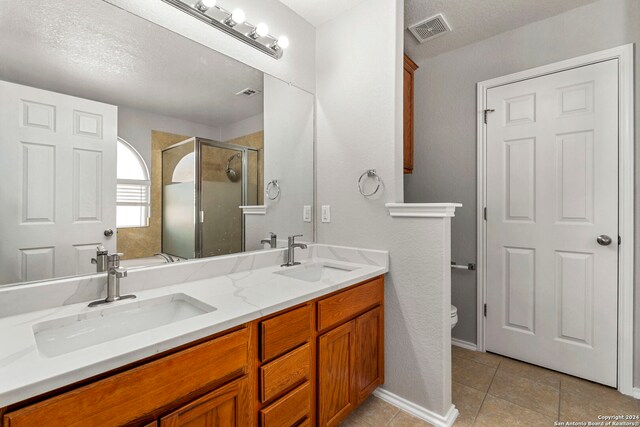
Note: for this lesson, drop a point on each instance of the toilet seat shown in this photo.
(454, 316)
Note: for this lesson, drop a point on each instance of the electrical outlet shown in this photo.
(326, 213)
(306, 213)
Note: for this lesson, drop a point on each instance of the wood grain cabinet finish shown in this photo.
(409, 69)
(289, 410)
(345, 305)
(285, 332)
(350, 356)
(285, 372)
(336, 374)
(369, 353)
(228, 406)
(143, 391)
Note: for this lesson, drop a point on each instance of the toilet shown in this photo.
(454, 316)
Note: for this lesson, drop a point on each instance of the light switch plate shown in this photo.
(326, 213)
(306, 213)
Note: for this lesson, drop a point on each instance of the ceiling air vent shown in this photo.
(430, 28)
(248, 92)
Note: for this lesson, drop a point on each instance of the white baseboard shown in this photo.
(464, 344)
(418, 411)
(636, 392)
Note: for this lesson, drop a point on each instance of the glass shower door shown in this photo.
(179, 200)
(222, 174)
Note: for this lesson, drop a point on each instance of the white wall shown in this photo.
(359, 126)
(135, 126)
(296, 66)
(240, 128)
(288, 157)
(445, 132)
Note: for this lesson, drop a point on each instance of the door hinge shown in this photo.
(486, 113)
(485, 310)
(484, 213)
(619, 240)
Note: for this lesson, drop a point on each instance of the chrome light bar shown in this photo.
(223, 20)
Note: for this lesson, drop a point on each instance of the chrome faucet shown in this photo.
(101, 259)
(272, 241)
(291, 246)
(114, 274)
(166, 257)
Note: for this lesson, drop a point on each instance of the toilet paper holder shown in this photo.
(469, 266)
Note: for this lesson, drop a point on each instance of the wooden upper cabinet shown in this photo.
(409, 68)
(228, 406)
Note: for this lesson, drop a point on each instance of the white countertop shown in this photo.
(239, 297)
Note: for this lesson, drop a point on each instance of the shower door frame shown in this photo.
(197, 211)
(199, 142)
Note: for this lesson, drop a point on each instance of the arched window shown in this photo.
(132, 195)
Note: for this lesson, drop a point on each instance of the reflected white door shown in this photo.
(58, 186)
(552, 189)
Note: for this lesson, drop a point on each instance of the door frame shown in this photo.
(624, 55)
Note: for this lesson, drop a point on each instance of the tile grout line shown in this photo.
(475, 418)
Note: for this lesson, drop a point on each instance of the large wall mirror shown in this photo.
(119, 133)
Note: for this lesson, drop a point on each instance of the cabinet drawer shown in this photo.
(289, 410)
(282, 333)
(144, 390)
(285, 372)
(343, 306)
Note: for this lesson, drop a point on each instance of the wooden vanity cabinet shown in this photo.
(139, 395)
(306, 366)
(409, 69)
(351, 355)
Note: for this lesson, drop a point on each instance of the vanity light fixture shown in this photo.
(234, 24)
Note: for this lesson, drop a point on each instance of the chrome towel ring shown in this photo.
(370, 173)
(270, 186)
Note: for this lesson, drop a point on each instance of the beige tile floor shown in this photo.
(493, 391)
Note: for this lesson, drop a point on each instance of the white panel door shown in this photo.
(57, 193)
(552, 189)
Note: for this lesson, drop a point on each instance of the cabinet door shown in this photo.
(228, 406)
(369, 352)
(336, 374)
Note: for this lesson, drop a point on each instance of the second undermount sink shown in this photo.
(315, 271)
(67, 334)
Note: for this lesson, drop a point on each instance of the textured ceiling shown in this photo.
(93, 50)
(474, 20)
(317, 12)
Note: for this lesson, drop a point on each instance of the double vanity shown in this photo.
(233, 340)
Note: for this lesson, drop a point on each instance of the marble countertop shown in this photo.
(238, 297)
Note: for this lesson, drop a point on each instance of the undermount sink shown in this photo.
(67, 334)
(315, 271)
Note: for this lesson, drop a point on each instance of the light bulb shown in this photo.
(262, 29)
(238, 16)
(204, 5)
(283, 42)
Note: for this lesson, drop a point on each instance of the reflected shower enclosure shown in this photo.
(204, 183)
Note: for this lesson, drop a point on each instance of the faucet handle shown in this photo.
(292, 239)
(272, 234)
(101, 250)
(119, 272)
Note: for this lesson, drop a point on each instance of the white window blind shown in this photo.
(133, 198)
